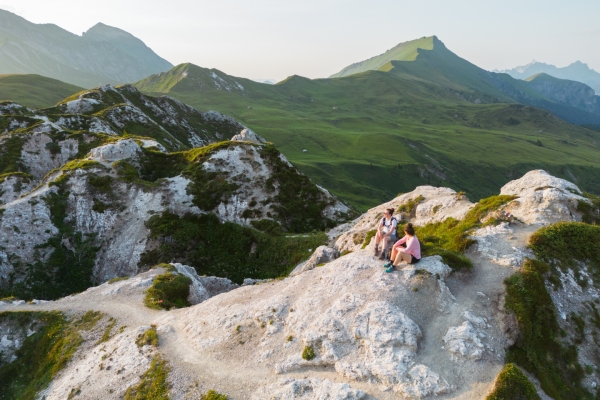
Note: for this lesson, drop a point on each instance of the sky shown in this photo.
(269, 39)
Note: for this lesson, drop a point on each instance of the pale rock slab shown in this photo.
(308, 389)
(543, 199)
(204, 287)
(464, 341)
(322, 255)
(248, 135)
(109, 153)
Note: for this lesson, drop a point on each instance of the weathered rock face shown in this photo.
(313, 389)
(204, 287)
(361, 333)
(543, 198)
(248, 135)
(322, 255)
(430, 204)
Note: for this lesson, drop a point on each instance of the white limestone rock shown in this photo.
(322, 255)
(437, 205)
(543, 198)
(39, 160)
(248, 135)
(109, 153)
(308, 389)
(464, 341)
(204, 287)
(432, 264)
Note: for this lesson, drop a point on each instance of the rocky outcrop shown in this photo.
(308, 389)
(322, 255)
(425, 204)
(204, 287)
(247, 135)
(543, 198)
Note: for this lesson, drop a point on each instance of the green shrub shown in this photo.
(153, 384)
(539, 349)
(169, 290)
(512, 384)
(106, 335)
(308, 353)
(225, 249)
(268, 226)
(590, 213)
(368, 238)
(212, 395)
(148, 338)
(209, 188)
(410, 206)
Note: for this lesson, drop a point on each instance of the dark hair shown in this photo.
(390, 211)
(409, 229)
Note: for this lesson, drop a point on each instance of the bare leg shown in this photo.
(402, 256)
(394, 253)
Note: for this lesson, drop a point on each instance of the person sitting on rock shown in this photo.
(407, 249)
(386, 232)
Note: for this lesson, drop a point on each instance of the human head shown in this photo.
(409, 230)
(389, 212)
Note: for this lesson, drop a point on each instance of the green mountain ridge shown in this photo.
(34, 91)
(373, 134)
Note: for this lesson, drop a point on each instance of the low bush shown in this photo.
(513, 384)
(225, 249)
(153, 383)
(148, 338)
(308, 353)
(168, 291)
(590, 213)
(368, 238)
(212, 395)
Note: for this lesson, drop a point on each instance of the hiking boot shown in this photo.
(387, 265)
(376, 251)
(382, 255)
(389, 269)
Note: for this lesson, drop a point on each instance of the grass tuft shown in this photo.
(168, 291)
(513, 384)
(153, 384)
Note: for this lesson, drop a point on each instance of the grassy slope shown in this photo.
(406, 51)
(34, 91)
(388, 126)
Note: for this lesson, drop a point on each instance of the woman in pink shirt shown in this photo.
(407, 249)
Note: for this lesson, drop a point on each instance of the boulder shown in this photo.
(248, 135)
(204, 287)
(322, 255)
(542, 198)
(115, 151)
(464, 341)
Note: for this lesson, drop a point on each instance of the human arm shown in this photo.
(399, 242)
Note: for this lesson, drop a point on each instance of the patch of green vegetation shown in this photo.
(563, 244)
(299, 203)
(376, 144)
(450, 238)
(117, 279)
(308, 353)
(101, 183)
(54, 148)
(410, 206)
(368, 238)
(89, 320)
(168, 291)
(24, 176)
(267, 226)
(69, 267)
(590, 213)
(209, 188)
(81, 164)
(539, 349)
(153, 384)
(42, 355)
(212, 395)
(109, 327)
(10, 154)
(513, 384)
(33, 90)
(225, 249)
(148, 338)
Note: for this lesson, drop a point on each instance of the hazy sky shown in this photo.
(316, 38)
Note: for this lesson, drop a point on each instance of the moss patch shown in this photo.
(225, 249)
(368, 238)
(148, 338)
(212, 395)
(168, 291)
(153, 384)
(590, 213)
(308, 353)
(42, 355)
(513, 384)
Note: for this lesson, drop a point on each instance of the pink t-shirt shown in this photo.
(412, 246)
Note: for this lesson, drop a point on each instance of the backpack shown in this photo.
(391, 224)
